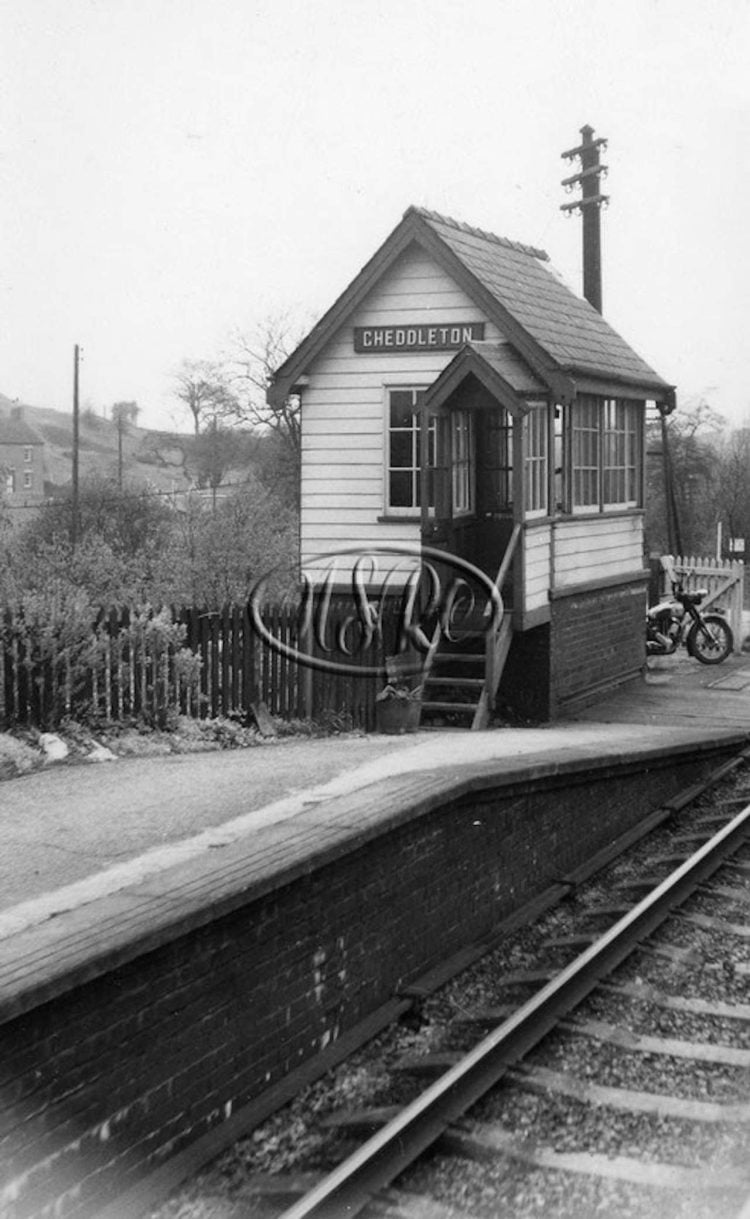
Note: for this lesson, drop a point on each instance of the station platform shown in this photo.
(70, 835)
(242, 914)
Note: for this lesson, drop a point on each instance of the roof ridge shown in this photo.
(462, 227)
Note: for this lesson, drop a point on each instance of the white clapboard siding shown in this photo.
(338, 402)
(328, 537)
(353, 426)
(536, 566)
(343, 407)
(596, 548)
(345, 484)
(340, 441)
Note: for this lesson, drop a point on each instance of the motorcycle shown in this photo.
(678, 620)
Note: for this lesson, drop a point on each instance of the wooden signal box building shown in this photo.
(458, 394)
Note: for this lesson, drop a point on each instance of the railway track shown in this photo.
(612, 1076)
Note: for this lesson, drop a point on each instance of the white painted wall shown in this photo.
(344, 408)
(537, 555)
(593, 548)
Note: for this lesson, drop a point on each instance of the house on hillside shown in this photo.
(459, 395)
(21, 460)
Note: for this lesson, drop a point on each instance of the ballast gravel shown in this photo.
(293, 1140)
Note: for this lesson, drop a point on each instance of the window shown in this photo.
(462, 461)
(403, 492)
(606, 453)
(585, 444)
(27, 454)
(27, 479)
(535, 435)
(621, 448)
(10, 481)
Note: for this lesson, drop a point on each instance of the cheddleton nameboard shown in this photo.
(413, 337)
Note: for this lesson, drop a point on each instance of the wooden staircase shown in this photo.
(461, 676)
(462, 669)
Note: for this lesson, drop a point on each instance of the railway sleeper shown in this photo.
(707, 923)
(399, 1204)
(644, 993)
(730, 892)
(544, 1081)
(487, 1142)
(625, 1039)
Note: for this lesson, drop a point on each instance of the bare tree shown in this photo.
(733, 492)
(693, 434)
(202, 387)
(251, 364)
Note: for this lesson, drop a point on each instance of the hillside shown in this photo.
(157, 459)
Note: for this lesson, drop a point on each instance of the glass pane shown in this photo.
(401, 489)
(402, 449)
(402, 408)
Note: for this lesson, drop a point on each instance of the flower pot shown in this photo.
(397, 715)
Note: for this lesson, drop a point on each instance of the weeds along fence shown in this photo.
(61, 662)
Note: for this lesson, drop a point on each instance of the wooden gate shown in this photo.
(724, 579)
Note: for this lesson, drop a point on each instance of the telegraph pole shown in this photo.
(590, 205)
(76, 446)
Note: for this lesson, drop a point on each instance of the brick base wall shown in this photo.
(524, 691)
(101, 1085)
(596, 639)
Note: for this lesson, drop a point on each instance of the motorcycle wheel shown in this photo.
(711, 641)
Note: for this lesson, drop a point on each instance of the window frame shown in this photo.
(463, 463)
(536, 460)
(401, 511)
(617, 445)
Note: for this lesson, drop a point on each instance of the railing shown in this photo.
(497, 642)
(123, 663)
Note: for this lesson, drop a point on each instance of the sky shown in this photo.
(172, 171)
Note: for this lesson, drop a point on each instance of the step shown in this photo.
(428, 705)
(459, 658)
(468, 683)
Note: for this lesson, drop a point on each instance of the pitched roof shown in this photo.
(506, 362)
(557, 333)
(497, 367)
(565, 325)
(16, 431)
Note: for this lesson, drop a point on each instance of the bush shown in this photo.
(67, 659)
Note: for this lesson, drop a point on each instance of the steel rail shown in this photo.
(346, 1190)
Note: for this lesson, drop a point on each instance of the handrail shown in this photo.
(503, 568)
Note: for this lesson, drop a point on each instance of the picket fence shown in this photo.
(135, 664)
(723, 578)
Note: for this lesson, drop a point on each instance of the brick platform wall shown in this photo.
(103, 1084)
(596, 639)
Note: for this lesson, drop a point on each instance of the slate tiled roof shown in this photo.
(557, 332)
(521, 279)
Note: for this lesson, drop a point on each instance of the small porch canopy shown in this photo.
(483, 372)
(486, 378)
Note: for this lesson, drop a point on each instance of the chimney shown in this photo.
(590, 204)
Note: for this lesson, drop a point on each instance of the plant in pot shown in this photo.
(398, 706)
